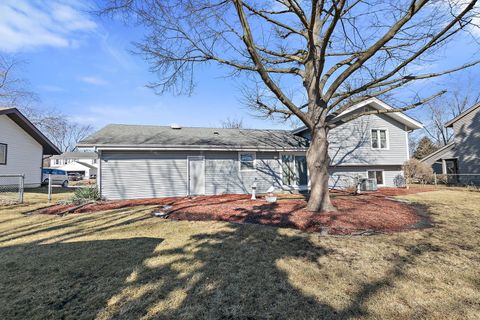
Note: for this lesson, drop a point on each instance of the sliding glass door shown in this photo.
(294, 170)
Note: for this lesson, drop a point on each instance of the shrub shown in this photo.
(417, 171)
(83, 195)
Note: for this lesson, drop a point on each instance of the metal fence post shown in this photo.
(49, 188)
(21, 186)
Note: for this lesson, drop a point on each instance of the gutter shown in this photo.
(188, 148)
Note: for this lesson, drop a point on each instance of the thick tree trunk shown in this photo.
(318, 162)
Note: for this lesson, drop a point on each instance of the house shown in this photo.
(139, 161)
(460, 157)
(84, 163)
(22, 147)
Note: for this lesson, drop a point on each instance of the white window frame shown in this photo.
(387, 136)
(288, 186)
(240, 161)
(383, 175)
(3, 162)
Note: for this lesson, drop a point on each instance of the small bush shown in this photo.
(417, 171)
(83, 195)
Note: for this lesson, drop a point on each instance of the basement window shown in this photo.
(377, 175)
(3, 154)
(247, 161)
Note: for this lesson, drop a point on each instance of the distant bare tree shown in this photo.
(446, 108)
(13, 89)
(63, 132)
(56, 126)
(309, 59)
(232, 123)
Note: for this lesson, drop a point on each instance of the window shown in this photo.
(57, 161)
(379, 139)
(94, 161)
(247, 161)
(377, 175)
(3, 153)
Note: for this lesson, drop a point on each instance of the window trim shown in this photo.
(6, 154)
(240, 161)
(387, 136)
(383, 176)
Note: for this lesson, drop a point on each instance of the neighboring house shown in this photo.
(462, 155)
(22, 147)
(137, 161)
(84, 163)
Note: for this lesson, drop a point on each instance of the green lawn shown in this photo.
(125, 264)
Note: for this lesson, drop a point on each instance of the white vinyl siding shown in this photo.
(24, 154)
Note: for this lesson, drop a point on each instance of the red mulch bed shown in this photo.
(357, 214)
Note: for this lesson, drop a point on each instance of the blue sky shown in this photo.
(80, 64)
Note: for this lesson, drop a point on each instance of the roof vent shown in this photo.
(175, 126)
(216, 132)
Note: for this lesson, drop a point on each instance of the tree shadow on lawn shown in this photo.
(232, 273)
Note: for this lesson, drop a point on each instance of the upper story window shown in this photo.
(247, 161)
(379, 139)
(3, 153)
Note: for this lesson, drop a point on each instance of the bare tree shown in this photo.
(63, 132)
(310, 59)
(232, 123)
(14, 92)
(448, 107)
(13, 89)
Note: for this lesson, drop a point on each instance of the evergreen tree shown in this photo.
(424, 148)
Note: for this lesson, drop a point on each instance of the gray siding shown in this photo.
(467, 142)
(350, 142)
(130, 175)
(223, 173)
(344, 177)
(135, 175)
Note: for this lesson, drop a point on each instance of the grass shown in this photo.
(124, 264)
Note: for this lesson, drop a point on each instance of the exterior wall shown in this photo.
(223, 173)
(350, 142)
(129, 175)
(24, 154)
(467, 143)
(344, 177)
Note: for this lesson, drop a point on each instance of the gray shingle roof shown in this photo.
(77, 155)
(191, 137)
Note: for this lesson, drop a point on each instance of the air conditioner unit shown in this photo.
(368, 185)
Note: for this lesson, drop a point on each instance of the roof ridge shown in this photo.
(193, 127)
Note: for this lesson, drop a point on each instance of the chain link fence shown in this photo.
(457, 180)
(11, 188)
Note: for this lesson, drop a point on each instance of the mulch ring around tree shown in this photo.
(363, 214)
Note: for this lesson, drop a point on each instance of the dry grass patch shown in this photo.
(125, 264)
